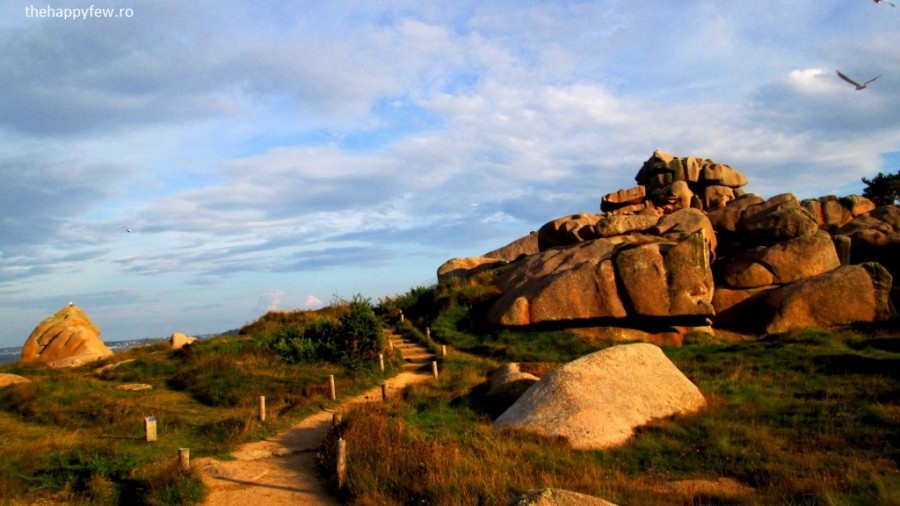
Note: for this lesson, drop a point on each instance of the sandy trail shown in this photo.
(281, 470)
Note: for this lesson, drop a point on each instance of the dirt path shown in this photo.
(281, 470)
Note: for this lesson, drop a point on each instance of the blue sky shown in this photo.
(277, 155)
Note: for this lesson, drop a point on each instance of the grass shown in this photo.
(804, 418)
(71, 436)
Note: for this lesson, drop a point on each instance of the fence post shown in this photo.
(150, 428)
(262, 408)
(443, 350)
(401, 315)
(341, 462)
(434, 369)
(335, 421)
(331, 384)
(428, 332)
(184, 459)
(384, 391)
(390, 347)
(381, 361)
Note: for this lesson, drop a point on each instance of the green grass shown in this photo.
(805, 418)
(70, 436)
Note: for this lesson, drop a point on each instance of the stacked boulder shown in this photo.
(65, 339)
(687, 244)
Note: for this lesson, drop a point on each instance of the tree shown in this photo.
(883, 189)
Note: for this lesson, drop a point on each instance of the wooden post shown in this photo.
(331, 384)
(434, 370)
(184, 459)
(428, 332)
(335, 421)
(390, 347)
(384, 391)
(262, 408)
(443, 350)
(381, 361)
(150, 428)
(341, 463)
(401, 315)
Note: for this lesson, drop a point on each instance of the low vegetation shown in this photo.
(809, 417)
(71, 436)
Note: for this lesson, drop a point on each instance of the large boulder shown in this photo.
(65, 339)
(832, 212)
(780, 264)
(633, 275)
(874, 237)
(848, 294)
(778, 219)
(598, 400)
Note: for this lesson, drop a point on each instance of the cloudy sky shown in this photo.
(281, 154)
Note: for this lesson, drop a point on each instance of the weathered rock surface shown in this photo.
(11, 379)
(179, 340)
(568, 230)
(65, 339)
(633, 260)
(875, 237)
(583, 281)
(458, 268)
(780, 263)
(598, 400)
(848, 294)
(517, 249)
(832, 212)
(557, 497)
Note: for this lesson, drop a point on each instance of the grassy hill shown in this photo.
(809, 417)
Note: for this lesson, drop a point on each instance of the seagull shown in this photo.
(885, 1)
(859, 86)
(127, 229)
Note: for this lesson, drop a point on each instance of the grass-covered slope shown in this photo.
(70, 436)
(809, 417)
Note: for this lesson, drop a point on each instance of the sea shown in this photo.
(13, 354)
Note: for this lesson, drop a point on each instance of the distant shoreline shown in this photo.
(14, 353)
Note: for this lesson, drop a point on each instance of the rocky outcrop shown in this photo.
(852, 293)
(874, 237)
(66, 339)
(638, 260)
(557, 497)
(598, 400)
(632, 275)
(180, 340)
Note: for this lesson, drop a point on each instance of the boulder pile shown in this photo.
(65, 339)
(687, 247)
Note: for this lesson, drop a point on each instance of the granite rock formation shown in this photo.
(628, 386)
(65, 339)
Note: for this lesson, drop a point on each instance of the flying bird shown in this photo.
(859, 85)
(127, 229)
(885, 1)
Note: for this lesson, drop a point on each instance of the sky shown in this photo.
(283, 155)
